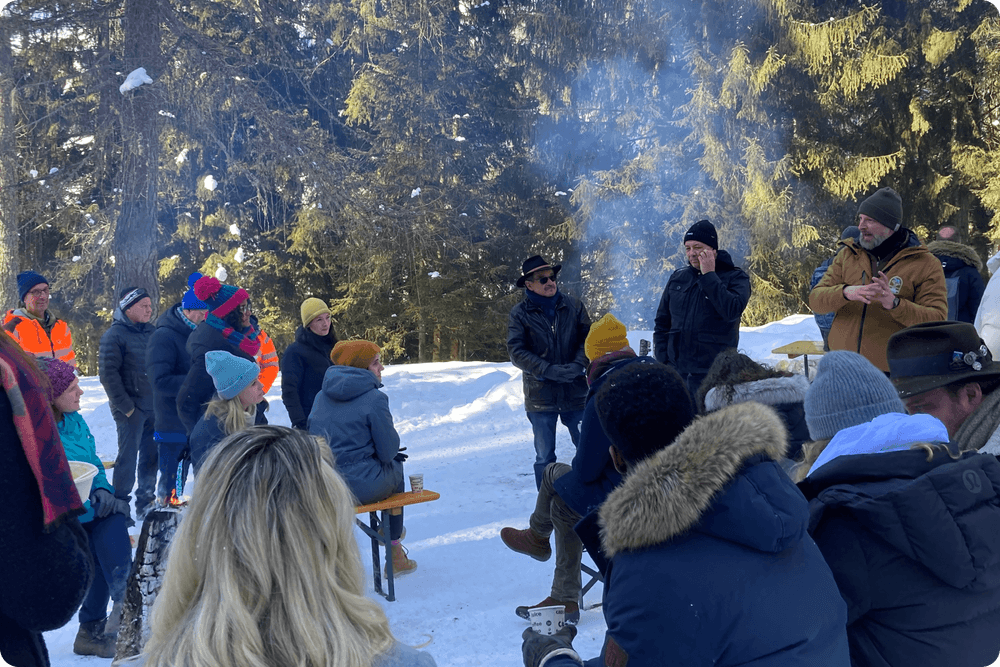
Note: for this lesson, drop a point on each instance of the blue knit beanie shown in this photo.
(27, 280)
(848, 390)
(231, 374)
(190, 301)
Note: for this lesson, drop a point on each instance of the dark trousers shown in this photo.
(552, 514)
(135, 446)
(112, 553)
(543, 425)
(170, 448)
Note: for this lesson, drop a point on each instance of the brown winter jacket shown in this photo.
(915, 276)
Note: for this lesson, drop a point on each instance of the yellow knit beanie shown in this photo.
(606, 335)
(312, 308)
(357, 353)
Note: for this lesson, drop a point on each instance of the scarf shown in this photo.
(36, 429)
(546, 303)
(184, 319)
(246, 341)
(606, 362)
(976, 430)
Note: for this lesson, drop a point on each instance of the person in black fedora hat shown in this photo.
(546, 333)
(880, 284)
(700, 310)
(944, 369)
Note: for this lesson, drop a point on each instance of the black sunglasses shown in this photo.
(544, 279)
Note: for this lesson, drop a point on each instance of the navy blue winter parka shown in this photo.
(122, 364)
(711, 564)
(302, 369)
(915, 548)
(167, 364)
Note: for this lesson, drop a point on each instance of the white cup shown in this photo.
(547, 620)
(417, 483)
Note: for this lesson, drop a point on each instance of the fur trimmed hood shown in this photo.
(770, 391)
(958, 251)
(672, 491)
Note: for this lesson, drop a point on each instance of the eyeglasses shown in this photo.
(541, 280)
(244, 307)
(44, 291)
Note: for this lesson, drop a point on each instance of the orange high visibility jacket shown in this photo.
(267, 359)
(33, 338)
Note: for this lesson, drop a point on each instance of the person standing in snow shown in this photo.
(305, 361)
(122, 369)
(909, 524)
(266, 563)
(701, 306)
(545, 338)
(106, 520)
(825, 321)
(961, 265)
(168, 363)
(34, 327)
(711, 565)
(47, 567)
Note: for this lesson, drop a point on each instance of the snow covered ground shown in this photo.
(464, 427)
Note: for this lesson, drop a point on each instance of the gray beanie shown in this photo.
(848, 390)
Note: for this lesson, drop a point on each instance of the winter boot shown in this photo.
(572, 609)
(527, 542)
(91, 640)
(114, 620)
(400, 563)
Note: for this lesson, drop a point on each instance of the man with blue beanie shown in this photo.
(34, 327)
(167, 363)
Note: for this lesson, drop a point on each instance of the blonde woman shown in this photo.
(264, 569)
(234, 407)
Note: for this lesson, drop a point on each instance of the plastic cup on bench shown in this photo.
(417, 483)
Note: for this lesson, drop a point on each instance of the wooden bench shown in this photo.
(393, 505)
(801, 348)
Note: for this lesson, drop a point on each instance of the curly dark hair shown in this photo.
(732, 368)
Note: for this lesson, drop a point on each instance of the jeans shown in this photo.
(112, 553)
(170, 446)
(543, 425)
(552, 514)
(135, 445)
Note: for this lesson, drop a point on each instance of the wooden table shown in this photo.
(801, 348)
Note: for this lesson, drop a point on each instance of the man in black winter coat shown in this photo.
(961, 265)
(122, 369)
(168, 362)
(546, 333)
(700, 310)
(305, 361)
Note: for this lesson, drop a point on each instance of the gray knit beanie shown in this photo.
(848, 390)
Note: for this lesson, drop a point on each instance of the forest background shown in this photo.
(401, 158)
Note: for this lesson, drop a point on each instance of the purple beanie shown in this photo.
(60, 375)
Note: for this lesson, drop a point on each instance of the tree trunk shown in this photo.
(136, 232)
(8, 174)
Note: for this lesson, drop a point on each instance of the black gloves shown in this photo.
(122, 507)
(563, 372)
(400, 456)
(102, 502)
(537, 647)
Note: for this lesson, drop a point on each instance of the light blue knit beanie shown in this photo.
(848, 390)
(231, 374)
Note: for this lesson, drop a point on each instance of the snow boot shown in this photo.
(572, 609)
(91, 640)
(527, 542)
(400, 563)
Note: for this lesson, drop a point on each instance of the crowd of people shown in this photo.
(850, 520)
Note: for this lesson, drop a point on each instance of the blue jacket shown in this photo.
(823, 320)
(699, 315)
(79, 444)
(961, 265)
(915, 548)
(122, 365)
(303, 367)
(206, 434)
(167, 363)
(353, 416)
(711, 564)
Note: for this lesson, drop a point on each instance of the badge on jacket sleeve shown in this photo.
(614, 655)
(895, 284)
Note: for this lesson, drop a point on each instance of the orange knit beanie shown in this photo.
(357, 353)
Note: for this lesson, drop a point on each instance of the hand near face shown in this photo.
(706, 260)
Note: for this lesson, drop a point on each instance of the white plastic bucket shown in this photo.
(83, 476)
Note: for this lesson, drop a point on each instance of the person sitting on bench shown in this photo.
(571, 492)
(353, 416)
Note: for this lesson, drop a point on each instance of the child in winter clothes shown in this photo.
(106, 520)
(909, 526)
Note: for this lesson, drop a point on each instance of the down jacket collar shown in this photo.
(687, 485)
(769, 391)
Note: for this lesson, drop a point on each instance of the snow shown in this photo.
(234, 229)
(210, 182)
(182, 156)
(464, 428)
(434, 274)
(239, 256)
(415, 192)
(135, 78)
(220, 273)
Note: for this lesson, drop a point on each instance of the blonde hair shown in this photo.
(812, 450)
(264, 569)
(231, 413)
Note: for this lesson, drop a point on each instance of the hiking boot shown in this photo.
(114, 620)
(91, 640)
(527, 542)
(572, 609)
(400, 563)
